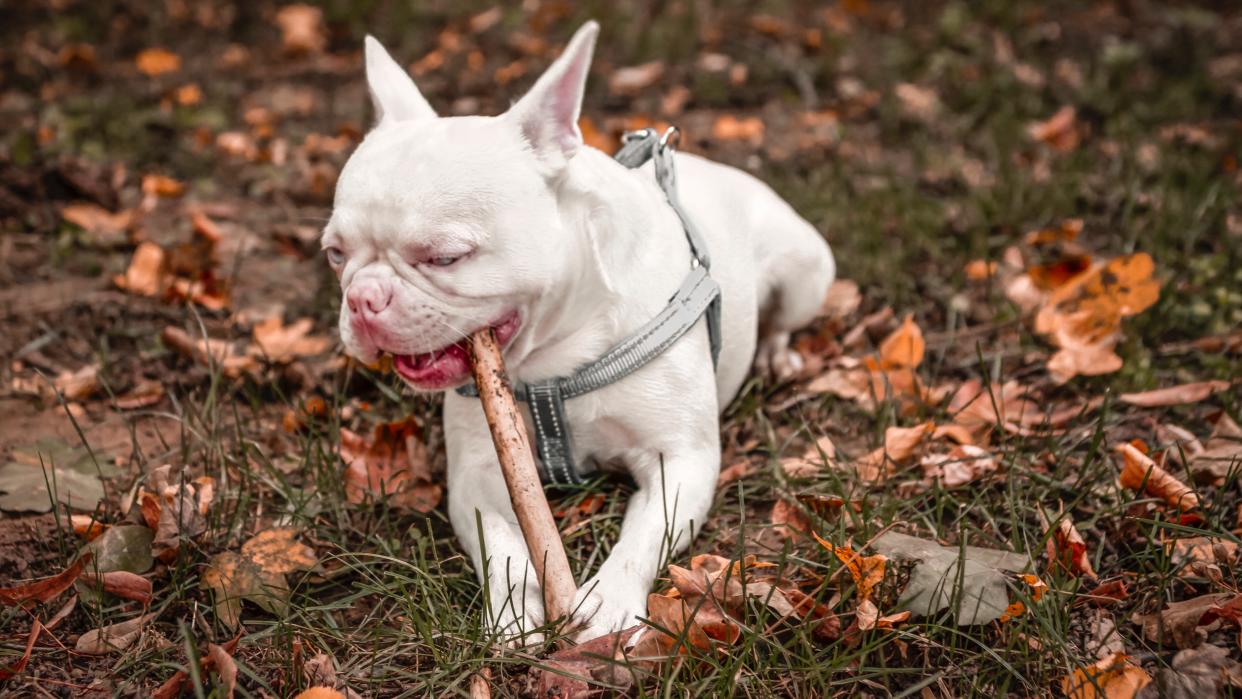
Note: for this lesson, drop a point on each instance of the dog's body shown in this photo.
(444, 226)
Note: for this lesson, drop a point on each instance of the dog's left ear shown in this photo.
(548, 114)
(393, 92)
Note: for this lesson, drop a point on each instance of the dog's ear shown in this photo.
(548, 114)
(392, 90)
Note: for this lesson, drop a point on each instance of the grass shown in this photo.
(396, 602)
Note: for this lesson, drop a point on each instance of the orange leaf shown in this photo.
(392, 464)
(157, 61)
(731, 128)
(44, 589)
(121, 583)
(1067, 548)
(162, 186)
(1175, 395)
(867, 571)
(1139, 471)
(1114, 677)
(1060, 130)
(904, 348)
(301, 29)
(146, 274)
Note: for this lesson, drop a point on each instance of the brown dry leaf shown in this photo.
(899, 446)
(87, 526)
(257, 573)
(980, 270)
(1114, 677)
(631, 80)
(157, 61)
(146, 274)
(392, 464)
(176, 684)
(1180, 622)
(281, 343)
(101, 225)
(319, 693)
(822, 452)
(144, 395)
(8, 672)
(1138, 471)
(78, 385)
(210, 352)
(222, 664)
(903, 349)
(1203, 549)
(1060, 131)
(1222, 453)
(730, 128)
(1067, 549)
(121, 583)
(175, 509)
(788, 520)
(675, 630)
(301, 29)
(867, 571)
(841, 301)
(963, 464)
(162, 186)
(114, 638)
(1175, 395)
(44, 590)
(919, 103)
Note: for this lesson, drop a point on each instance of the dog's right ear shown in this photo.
(392, 90)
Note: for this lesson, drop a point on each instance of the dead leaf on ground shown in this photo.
(933, 585)
(113, 638)
(1196, 673)
(257, 573)
(1060, 131)
(6, 673)
(392, 464)
(1066, 548)
(102, 226)
(1174, 395)
(841, 301)
(284, 343)
(174, 686)
(157, 61)
(1221, 454)
(730, 128)
(899, 447)
(45, 589)
(212, 352)
(87, 526)
(1180, 622)
(146, 273)
(965, 463)
(175, 508)
(631, 80)
(1114, 677)
(121, 583)
(301, 29)
(80, 384)
(1140, 473)
(162, 186)
(866, 571)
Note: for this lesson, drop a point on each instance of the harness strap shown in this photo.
(698, 294)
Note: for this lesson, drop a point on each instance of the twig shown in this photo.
(534, 516)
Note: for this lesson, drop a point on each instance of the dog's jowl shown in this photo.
(444, 226)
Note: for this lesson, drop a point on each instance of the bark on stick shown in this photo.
(517, 463)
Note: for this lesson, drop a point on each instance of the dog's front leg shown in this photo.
(483, 518)
(675, 492)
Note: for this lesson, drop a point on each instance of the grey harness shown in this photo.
(697, 295)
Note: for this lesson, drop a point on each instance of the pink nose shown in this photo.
(369, 299)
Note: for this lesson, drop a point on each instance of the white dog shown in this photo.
(444, 226)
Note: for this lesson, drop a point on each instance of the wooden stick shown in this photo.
(517, 463)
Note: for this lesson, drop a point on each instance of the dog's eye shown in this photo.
(336, 256)
(444, 260)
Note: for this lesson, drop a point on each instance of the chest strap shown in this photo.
(698, 294)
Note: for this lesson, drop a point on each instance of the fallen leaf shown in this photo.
(257, 573)
(281, 343)
(392, 465)
(319, 693)
(101, 225)
(210, 351)
(162, 186)
(16, 668)
(978, 588)
(1113, 677)
(176, 508)
(1196, 673)
(301, 29)
(964, 464)
(121, 583)
(1174, 395)
(112, 638)
(631, 80)
(43, 590)
(29, 479)
(841, 301)
(78, 385)
(1180, 622)
(1221, 454)
(157, 61)
(174, 686)
(146, 274)
(1060, 131)
(87, 526)
(920, 103)
(221, 663)
(143, 395)
(899, 446)
(980, 270)
(125, 548)
(730, 128)
(867, 571)
(903, 349)
(1067, 549)
(569, 672)
(1140, 473)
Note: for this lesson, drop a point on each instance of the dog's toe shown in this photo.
(598, 612)
(775, 358)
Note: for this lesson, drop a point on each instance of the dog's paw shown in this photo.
(776, 359)
(601, 610)
(516, 616)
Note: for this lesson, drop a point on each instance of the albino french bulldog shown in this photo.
(444, 226)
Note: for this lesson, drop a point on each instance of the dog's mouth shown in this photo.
(449, 366)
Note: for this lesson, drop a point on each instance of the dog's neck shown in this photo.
(627, 255)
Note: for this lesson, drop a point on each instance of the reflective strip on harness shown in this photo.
(699, 294)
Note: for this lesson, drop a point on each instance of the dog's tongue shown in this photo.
(439, 368)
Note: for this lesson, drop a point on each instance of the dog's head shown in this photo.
(444, 226)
